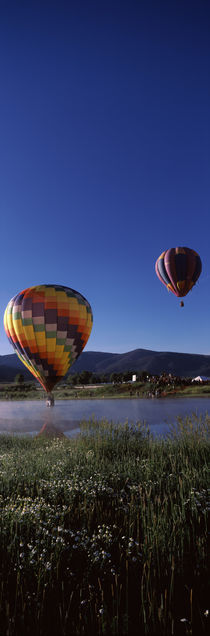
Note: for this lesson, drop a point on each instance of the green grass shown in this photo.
(105, 533)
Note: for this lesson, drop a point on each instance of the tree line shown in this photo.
(87, 377)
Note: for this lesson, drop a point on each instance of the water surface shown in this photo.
(31, 417)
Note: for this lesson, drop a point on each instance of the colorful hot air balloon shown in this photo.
(48, 326)
(178, 269)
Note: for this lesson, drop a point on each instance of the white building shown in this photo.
(201, 378)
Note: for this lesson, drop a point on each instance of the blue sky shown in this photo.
(105, 161)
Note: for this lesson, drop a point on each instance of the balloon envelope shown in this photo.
(48, 326)
(179, 268)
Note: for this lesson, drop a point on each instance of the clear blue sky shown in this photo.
(105, 161)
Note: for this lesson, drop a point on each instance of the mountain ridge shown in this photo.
(154, 362)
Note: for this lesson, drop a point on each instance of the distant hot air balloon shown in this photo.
(178, 269)
(48, 326)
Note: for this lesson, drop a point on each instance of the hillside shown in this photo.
(10, 365)
(181, 364)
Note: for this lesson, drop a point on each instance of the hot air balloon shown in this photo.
(48, 326)
(178, 269)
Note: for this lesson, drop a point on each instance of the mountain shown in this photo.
(155, 362)
(10, 365)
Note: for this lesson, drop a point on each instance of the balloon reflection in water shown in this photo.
(49, 429)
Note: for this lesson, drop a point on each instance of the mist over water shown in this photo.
(34, 417)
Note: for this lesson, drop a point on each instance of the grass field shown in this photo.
(32, 391)
(106, 533)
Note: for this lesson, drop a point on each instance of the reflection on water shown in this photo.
(33, 417)
(50, 430)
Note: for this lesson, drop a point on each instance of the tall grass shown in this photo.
(106, 533)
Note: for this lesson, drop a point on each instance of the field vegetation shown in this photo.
(85, 385)
(105, 533)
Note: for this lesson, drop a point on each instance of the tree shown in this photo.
(85, 377)
(127, 376)
(19, 378)
(143, 375)
(116, 378)
(104, 378)
(72, 379)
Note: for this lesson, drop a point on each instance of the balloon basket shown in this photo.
(50, 400)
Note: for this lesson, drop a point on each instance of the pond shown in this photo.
(32, 417)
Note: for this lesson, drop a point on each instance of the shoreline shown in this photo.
(58, 398)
